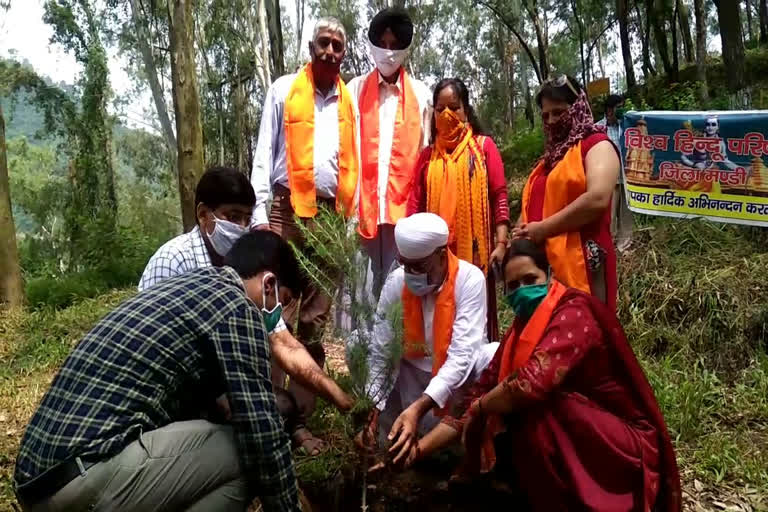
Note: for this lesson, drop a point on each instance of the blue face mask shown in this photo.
(418, 284)
(271, 316)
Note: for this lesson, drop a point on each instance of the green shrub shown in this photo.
(520, 150)
(108, 258)
(62, 291)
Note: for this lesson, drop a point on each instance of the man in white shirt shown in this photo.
(306, 157)
(444, 345)
(394, 117)
(621, 216)
(223, 201)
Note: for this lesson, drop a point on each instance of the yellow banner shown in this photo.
(721, 207)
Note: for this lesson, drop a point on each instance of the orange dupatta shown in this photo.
(442, 324)
(403, 154)
(517, 352)
(457, 190)
(566, 182)
(299, 119)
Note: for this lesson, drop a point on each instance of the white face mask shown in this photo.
(225, 234)
(387, 61)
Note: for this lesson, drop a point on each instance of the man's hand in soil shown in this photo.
(366, 438)
(413, 456)
(472, 438)
(406, 426)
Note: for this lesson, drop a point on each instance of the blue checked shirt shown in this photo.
(177, 256)
(141, 364)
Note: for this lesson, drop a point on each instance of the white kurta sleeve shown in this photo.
(468, 334)
(264, 157)
(382, 366)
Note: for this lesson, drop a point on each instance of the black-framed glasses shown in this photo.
(560, 81)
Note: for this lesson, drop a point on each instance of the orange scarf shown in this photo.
(566, 182)
(517, 352)
(299, 121)
(442, 324)
(457, 189)
(403, 155)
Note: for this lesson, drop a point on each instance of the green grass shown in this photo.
(33, 344)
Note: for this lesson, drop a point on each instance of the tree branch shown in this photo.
(495, 10)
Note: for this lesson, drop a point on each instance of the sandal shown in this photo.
(306, 443)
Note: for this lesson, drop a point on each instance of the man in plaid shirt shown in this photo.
(115, 430)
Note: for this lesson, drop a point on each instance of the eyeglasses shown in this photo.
(421, 266)
(560, 81)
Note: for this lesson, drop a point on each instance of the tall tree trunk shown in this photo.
(763, 11)
(299, 26)
(580, 26)
(701, 48)
(622, 12)
(533, 14)
(749, 20)
(684, 21)
(645, 38)
(733, 43)
(600, 61)
(512, 90)
(11, 285)
(526, 91)
(276, 37)
(660, 36)
(675, 47)
(186, 105)
(264, 42)
(150, 69)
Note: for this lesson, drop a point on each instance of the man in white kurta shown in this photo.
(388, 172)
(272, 168)
(408, 391)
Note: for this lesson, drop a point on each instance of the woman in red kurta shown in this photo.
(564, 410)
(460, 177)
(583, 430)
(567, 199)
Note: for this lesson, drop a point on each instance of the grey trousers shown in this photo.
(621, 219)
(382, 251)
(188, 465)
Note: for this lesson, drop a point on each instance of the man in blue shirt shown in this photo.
(621, 216)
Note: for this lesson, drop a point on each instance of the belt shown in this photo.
(51, 481)
(283, 192)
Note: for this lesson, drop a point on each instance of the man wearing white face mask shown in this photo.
(394, 116)
(224, 200)
(445, 344)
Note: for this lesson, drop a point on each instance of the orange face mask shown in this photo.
(449, 128)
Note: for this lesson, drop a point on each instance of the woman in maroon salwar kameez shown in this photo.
(582, 428)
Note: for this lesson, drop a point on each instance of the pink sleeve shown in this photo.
(497, 182)
(571, 333)
(417, 201)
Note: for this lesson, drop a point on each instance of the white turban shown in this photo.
(420, 235)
